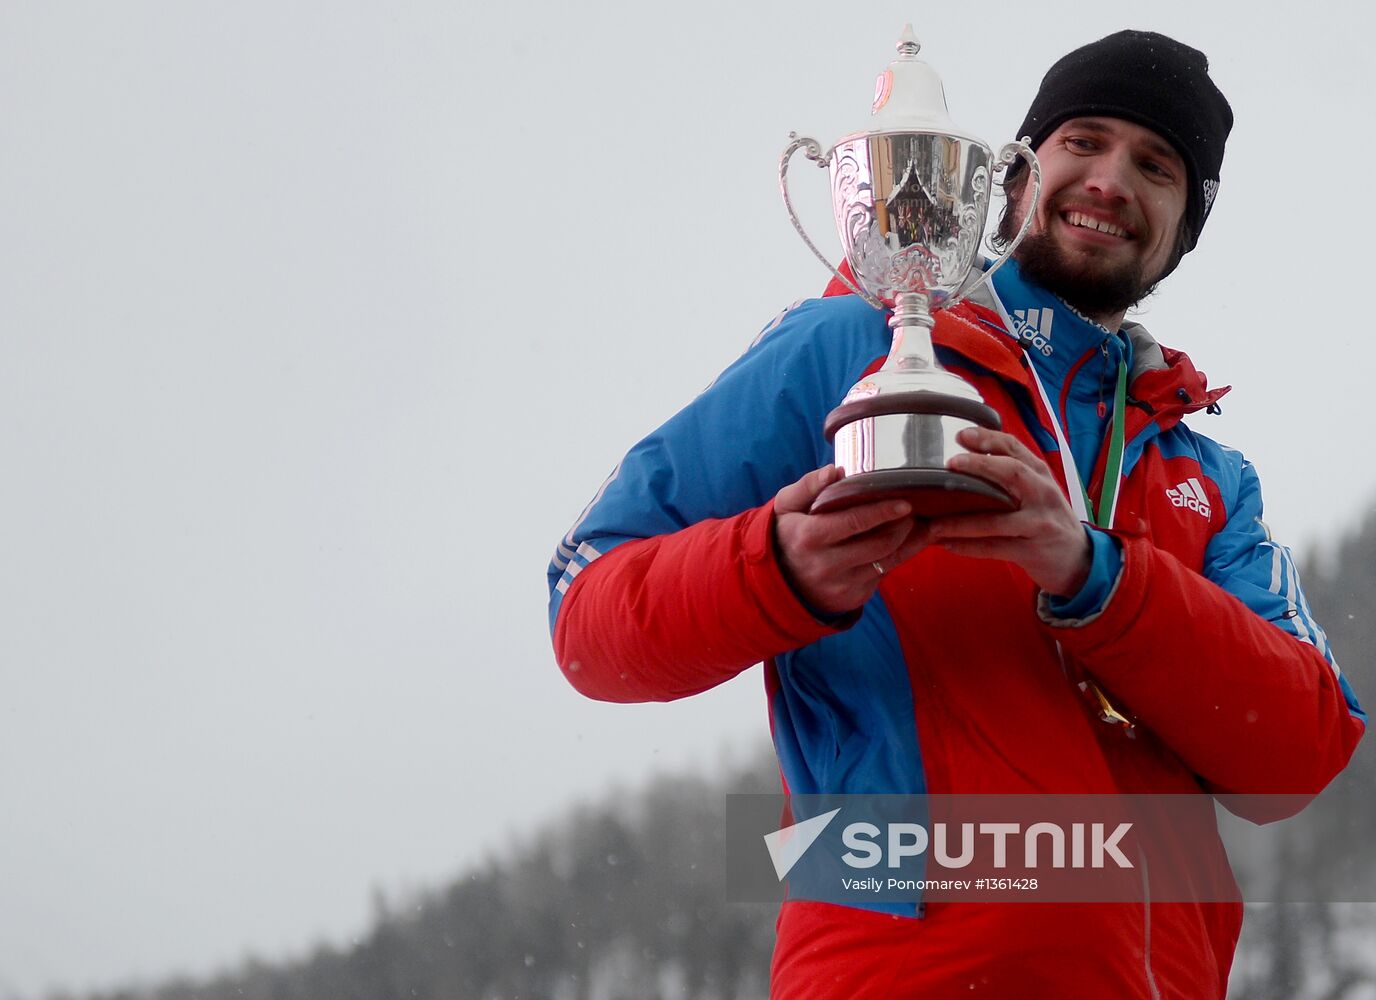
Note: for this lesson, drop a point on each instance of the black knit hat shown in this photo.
(1150, 80)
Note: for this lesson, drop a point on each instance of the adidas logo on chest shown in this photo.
(1190, 495)
(1033, 327)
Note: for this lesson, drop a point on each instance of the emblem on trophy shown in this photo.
(910, 196)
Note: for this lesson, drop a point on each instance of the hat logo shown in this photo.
(1210, 189)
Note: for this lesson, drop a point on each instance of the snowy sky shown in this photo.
(319, 323)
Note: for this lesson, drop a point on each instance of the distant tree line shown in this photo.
(625, 900)
(618, 901)
(1327, 951)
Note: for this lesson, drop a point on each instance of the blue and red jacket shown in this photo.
(950, 680)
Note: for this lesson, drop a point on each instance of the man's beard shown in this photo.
(1093, 287)
(1100, 290)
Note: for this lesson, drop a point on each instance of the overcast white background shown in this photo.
(319, 323)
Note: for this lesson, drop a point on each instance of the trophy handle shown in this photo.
(812, 149)
(1010, 152)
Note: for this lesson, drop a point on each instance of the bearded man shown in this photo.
(1131, 627)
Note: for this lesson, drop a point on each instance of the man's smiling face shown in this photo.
(1107, 228)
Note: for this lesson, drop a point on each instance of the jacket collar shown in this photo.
(1163, 386)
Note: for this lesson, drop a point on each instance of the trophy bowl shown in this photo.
(910, 197)
(910, 210)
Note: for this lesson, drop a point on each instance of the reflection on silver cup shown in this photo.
(910, 196)
(910, 209)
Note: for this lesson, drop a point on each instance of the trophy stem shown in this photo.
(894, 432)
(912, 324)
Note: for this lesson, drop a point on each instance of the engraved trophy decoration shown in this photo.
(910, 196)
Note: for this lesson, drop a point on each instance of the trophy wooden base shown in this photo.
(932, 492)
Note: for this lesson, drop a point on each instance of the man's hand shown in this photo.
(835, 560)
(1043, 536)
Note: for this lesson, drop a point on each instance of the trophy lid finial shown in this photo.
(908, 45)
(909, 97)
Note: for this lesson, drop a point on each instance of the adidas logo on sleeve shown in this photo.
(1190, 494)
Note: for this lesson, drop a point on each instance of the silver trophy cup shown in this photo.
(910, 196)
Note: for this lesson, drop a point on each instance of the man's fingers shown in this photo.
(918, 539)
(855, 568)
(985, 441)
(876, 545)
(797, 498)
(1016, 477)
(1002, 525)
(841, 525)
(981, 548)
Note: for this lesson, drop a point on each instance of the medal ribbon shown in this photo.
(1108, 507)
(1102, 515)
(1080, 502)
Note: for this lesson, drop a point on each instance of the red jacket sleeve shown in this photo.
(1247, 706)
(666, 617)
